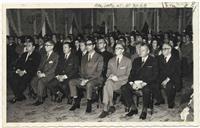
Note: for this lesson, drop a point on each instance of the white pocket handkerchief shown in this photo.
(122, 67)
(51, 62)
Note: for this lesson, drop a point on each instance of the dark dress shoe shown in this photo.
(60, 97)
(75, 105)
(143, 115)
(37, 103)
(89, 106)
(111, 109)
(159, 103)
(21, 98)
(132, 112)
(13, 100)
(69, 101)
(171, 106)
(103, 114)
(127, 109)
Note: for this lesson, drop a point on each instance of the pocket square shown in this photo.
(122, 67)
(51, 62)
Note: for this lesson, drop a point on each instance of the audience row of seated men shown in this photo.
(64, 77)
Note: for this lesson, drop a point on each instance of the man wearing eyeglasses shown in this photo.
(169, 77)
(90, 76)
(45, 73)
(118, 71)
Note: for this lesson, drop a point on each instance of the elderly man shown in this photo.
(45, 73)
(143, 76)
(119, 68)
(169, 77)
(90, 76)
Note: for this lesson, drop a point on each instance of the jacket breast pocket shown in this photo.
(122, 67)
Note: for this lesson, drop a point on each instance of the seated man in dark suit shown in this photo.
(143, 74)
(169, 75)
(90, 76)
(66, 69)
(101, 46)
(26, 68)
(45, 73)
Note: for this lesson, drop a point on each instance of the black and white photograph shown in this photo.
(101, 63)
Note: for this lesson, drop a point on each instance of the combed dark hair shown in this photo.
(122, 44)
(145, 44)
(69, 44)
(51, 42)
(92, 40)
(168, 44)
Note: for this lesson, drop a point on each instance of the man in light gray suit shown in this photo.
(119, 68)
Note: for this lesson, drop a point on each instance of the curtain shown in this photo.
(11, 22)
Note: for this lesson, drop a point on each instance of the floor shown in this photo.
(59, 112)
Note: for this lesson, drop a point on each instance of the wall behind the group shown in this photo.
(31, 21)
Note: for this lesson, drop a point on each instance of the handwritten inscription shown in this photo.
(121, 5)
(145, 5)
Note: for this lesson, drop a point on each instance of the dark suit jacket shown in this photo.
(170, 69)
(68, 66)
(48, 66)
(91, 69)
(148, 72)
(31, 65)
(106, 57)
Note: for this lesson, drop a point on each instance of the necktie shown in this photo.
(117, 62)
(165, 59)
(142, 62)
(28, 54)
(89, 57)
(66, 56)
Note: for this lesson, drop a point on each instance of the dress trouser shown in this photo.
(18, 85)
(54, 85)
(171, 93)
(75, 83)
(128, 93)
